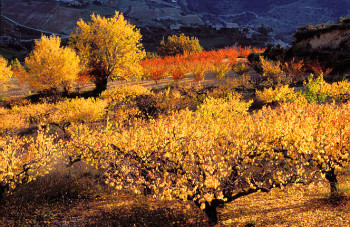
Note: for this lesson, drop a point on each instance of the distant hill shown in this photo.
(284, 16)
(222, 7)
(271, 20)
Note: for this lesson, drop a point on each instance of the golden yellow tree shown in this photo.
(5, 72)
(179, 45)
(50, 66)
(109, 47)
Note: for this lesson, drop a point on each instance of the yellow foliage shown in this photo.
(339, 90)
(5, 72)
(280, 94)
(109, 48)
(23, 159)
(51, 66)
(34, 113)
(272, 70)
(126, 92)
(222, 107)
(213, 160)
(179, 45)
(79, 110)
(10, 122)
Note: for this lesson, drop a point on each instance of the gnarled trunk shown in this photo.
(3, 189)
(333, 181)
(211, 212)
(101, 84)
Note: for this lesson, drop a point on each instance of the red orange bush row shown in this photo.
(219, 62)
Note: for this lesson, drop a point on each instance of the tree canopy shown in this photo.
(50, 66)
(5, 72)
(110, 48)
(179, 45)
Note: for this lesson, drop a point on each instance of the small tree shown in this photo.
(5, 72)
(50, 66)
(18, 71)
(273, 72)
(179, 45)
(110, 48)
(154, 69)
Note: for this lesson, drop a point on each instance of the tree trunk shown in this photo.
(333, 181)
(3, 189)
(101, 85)
(212, 214)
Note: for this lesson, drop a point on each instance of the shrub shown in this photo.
(295, 69)
(125, 93)
(280, 94)
(23, 159)
(11, 121)
(339, 90)
(220, 69)
(241, 69)
(19, 71)
(35, 113)
(316, 89)
(155, 69)
(170, 100)
(272, 70)
(78, 110)
(232, 105)
(128, 102)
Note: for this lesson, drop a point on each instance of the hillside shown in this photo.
(283, 17)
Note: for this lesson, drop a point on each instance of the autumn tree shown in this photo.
(19, 71)
(51, 66)
(295, 69)
(220, 64)
(179, 45)
(272, 71)
(5, 72)
(154, 69)
(110, 48)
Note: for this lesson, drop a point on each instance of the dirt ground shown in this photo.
(15, 89)
(296, 205)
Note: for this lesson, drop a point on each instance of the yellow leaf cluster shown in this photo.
(124, 93)
(23, 159)
(282, 93)
(195, 156)
(79, 110)
(5, 72)
(50, 66)
(109, 47)
(10, 122)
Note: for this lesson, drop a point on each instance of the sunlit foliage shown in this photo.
(110, 48)
(78, 110)
(24, 159)
(216, 155)
(179, 45)
(5, 72)
(50, 66)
